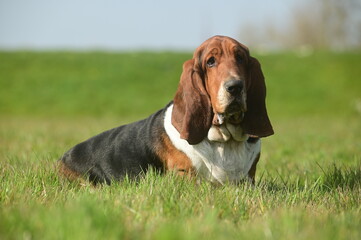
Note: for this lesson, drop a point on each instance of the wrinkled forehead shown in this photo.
(220, 45)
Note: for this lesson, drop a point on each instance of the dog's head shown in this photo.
(221, 84)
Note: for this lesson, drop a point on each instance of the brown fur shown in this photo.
(192, 112)
(174, 159)
(66, 172)
(256, 121)
(223, 50)
(196, 100)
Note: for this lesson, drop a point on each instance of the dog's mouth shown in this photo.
(233, 114)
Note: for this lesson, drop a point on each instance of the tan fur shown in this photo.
(226, 68)
(173, 159)
(66, 172)
(202, 94)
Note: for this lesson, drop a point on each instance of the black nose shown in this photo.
(234, 87)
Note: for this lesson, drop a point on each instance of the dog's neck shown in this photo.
(226, 132)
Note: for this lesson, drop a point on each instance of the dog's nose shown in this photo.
(234, 87)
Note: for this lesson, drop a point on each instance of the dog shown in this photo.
(211, 129)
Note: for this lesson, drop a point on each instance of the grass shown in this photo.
(308, 179)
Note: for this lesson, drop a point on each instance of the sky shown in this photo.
(131, 25)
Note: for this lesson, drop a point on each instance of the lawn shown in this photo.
(308, 181)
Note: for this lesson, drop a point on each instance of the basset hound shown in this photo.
(211, 129)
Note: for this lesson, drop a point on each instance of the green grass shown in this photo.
(308, 179)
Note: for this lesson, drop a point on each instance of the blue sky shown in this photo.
(128, 25)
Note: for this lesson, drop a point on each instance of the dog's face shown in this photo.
(221, 84)
(224, 63)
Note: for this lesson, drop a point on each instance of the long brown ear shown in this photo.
(192, 109)
(256, 121)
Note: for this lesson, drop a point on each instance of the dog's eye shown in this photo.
(211, 62)
(239, 58)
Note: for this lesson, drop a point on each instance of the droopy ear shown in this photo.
(192, 109)
(256, 121)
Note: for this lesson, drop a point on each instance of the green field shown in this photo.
(308, 179)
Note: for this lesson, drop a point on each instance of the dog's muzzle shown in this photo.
(236, 106)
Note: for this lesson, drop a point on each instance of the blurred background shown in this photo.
(178, 25)
(98, 58)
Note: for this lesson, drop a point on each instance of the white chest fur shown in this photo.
(216, 161)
